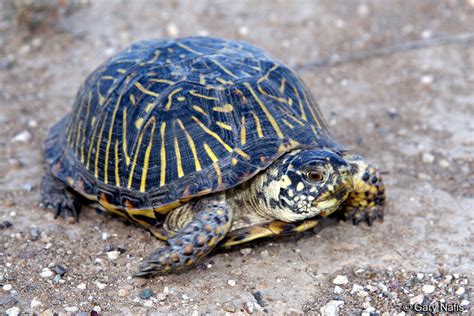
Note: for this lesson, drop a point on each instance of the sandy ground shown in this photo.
(395, 80)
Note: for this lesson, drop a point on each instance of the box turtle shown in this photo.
(205, 142)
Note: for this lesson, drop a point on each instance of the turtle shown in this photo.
(205, 142)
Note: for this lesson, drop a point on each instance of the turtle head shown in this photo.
(309, 183)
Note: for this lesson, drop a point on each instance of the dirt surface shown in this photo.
(395, 80)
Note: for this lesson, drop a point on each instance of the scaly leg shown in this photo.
(56, 195)
(210, 223)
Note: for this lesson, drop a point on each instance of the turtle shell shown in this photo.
(167, 120)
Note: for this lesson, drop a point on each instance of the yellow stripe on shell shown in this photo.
(226, 108)
(227, 71)
(211, 133)
(258, 125)
(147, 154)
(265, 110)
(124, 137)
(179, 165)
(191, 145)
(117, 170)
(196, 94)
(199, 109)
(97, 152)
(300, 102)
(170, 98)
(224, 125)
(243, 131)
(189, 49)
(140, 87)
(163, 155)
(134, 161)
(163, 81)
(109, 138)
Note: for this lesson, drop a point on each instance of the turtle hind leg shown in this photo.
(186, 247)
(366, 202)
(56, 195)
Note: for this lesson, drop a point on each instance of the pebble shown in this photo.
(232, 282)
(338, 289)
(236, 272)
(382, 287)
(14, 311)
(459, 291)
(113, 255)
(248, 307)
(427, 158)
(427, 79)
(105, 236)
(59, 270)
(172, 30)
(7, 287)
(340, 280)
(145, 293)
(417, 299)
(243, 30)
(35, 233)
(122, 292)
(46, 273)
(22, 137)
(420, 276)
(443, 163)
(331, 308)
(246, 251)
(35, 303)
(71, 309)
(81, 286)
(97, 309)
(229, 307)
(148, 303)
(100, 285)
(428, 288)
(32, 123)
(465, 302)
(356, 288)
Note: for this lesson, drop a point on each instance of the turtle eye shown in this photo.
(315, 175)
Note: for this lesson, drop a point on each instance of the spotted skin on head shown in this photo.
(193, 242)
(366, 202)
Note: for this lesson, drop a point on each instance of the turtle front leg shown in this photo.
(210, 222)
(56, 195)
(366, 203)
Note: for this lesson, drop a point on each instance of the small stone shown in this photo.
(465, 302)
(427, 80)
(7, 287)
(338, 289)
(229, 307)
(232, 282)
(428, 288)
(420, 276)
(32, 123)
(246, 251)
(35, 303)
(371, 288)
(105, 236)
(426, 34)
(459, 291)
(59, 270)
(148, 303)
(237, 272)
(166, 290)
(113, 255)
(363, 9)
(46, 273)
(382, 287)
(14, 311)
(81, 286)
(340, 280)
(172, 30)
(417, 299)
(71, 309)
(248, 307)
(35, 233)
(427, 158)
(264, 253)
(122, 292)
(100, 285)
(356, 288)
(331, 308)
(97, 309)
(443, 163)
(145, 293)
(243, 30)
(22, 137)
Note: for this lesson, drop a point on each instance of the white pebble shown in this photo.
(426, 34)
(22, 137)
(356, 288)
(428, 288)
(100, 285)
(465, 302)
(382, 287)
(166, 290)
(113, 255)
(97, 309)
(172, 30)
(81, 286)
(243, 31)
(420, 276)
(46, 273)
(443, 163)
(148, 303)
(338, 289)
(331, 308)
(248, 306)
(340, 280)
(105, 236)
(246, 251)
(7, 287)
(71, 309)
(232, 282)
(32, 123)
(460, 291)
(35, 303)
(363, 10)
(427, 79)
(428, 158)
(14, 311)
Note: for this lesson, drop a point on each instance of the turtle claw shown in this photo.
(55, 195)
(368, 215)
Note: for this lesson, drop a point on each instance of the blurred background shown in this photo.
(395, 80)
